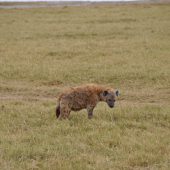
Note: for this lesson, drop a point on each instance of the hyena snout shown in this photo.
(111, 103)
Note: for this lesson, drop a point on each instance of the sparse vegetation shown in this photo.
(44, 50)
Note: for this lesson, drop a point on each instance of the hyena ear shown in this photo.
(117, 93)
(105, 93)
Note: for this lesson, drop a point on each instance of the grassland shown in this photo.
(42, 51)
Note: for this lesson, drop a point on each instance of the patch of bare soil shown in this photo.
(155, 96)
(23, 5)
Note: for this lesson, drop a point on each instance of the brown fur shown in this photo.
(86, 96)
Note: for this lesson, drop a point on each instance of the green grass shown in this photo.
(42, 51)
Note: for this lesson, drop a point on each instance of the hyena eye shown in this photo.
(109, 100)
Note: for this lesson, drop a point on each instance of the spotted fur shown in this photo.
(84, 97)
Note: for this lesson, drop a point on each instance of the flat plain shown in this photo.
(44, 50)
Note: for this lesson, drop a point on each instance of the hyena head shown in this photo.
(109, 96)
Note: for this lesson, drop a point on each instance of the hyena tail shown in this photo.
(58, 111)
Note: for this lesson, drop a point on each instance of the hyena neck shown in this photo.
(100, 97)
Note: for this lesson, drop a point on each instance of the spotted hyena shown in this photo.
(84, 97)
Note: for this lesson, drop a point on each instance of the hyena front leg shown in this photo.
(90, 111)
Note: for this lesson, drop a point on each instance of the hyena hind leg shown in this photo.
(64, 113)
